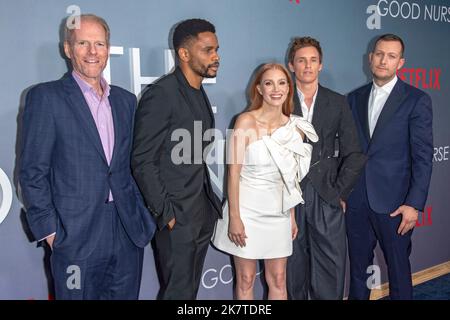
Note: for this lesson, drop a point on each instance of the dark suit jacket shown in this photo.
(333, 175)
(400, 152)
(65, 178)
(164, 129)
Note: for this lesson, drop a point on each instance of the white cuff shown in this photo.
(47, 236)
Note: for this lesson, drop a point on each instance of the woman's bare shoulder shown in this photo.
(245, 120)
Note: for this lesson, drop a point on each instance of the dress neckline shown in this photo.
(283, 125)
(268, 135)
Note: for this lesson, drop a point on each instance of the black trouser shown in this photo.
(316, 268)
(181, 253)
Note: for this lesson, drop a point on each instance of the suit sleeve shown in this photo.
(147, 220)
(38, 143)
(352, 159)
(138, 194)
(421, 146)
(152, 123)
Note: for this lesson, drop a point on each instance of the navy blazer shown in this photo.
(400, 152)
(65, 178)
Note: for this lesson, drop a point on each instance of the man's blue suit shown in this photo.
(65, 181)
(398, 172)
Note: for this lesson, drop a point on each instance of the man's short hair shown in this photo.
(303, 42)
(390, 37)
(188, 30)
(69, 30)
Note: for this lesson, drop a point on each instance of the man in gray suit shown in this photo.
(316, 268)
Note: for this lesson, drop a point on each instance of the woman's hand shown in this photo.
(236, 231)
(294, 227)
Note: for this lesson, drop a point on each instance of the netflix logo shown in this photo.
(421, 78)
(425, 217)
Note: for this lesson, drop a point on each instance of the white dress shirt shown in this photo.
(377, 99)
(307, 112)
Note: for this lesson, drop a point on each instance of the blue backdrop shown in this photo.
(250, 32)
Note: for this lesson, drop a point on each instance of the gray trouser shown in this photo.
(316, 268)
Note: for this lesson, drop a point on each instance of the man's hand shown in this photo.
(343, 205)
(50, 240)
(410, 216)
(171, 224)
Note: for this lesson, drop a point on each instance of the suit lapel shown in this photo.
(320, 111)
(118, 116)
(183, 85)
(210, 112)
(392, 103)
(297, 105)
(81, 109)
(362, 103)
(320, 104)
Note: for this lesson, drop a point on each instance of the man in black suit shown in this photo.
(172, 174)
(316, 268)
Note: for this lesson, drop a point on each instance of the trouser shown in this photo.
(364, 228)
(112, 271)
(316, 268)
(181, 253)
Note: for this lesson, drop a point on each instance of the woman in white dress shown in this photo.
(267, 160)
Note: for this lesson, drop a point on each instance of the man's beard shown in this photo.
(382, 76)
(203, 71)
(386, 77)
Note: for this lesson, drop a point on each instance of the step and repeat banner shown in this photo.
(250, 32)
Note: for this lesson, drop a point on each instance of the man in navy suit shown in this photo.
(76, 178)
(394, 122)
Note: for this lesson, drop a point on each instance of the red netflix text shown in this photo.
(421, 78)
(425, 217)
